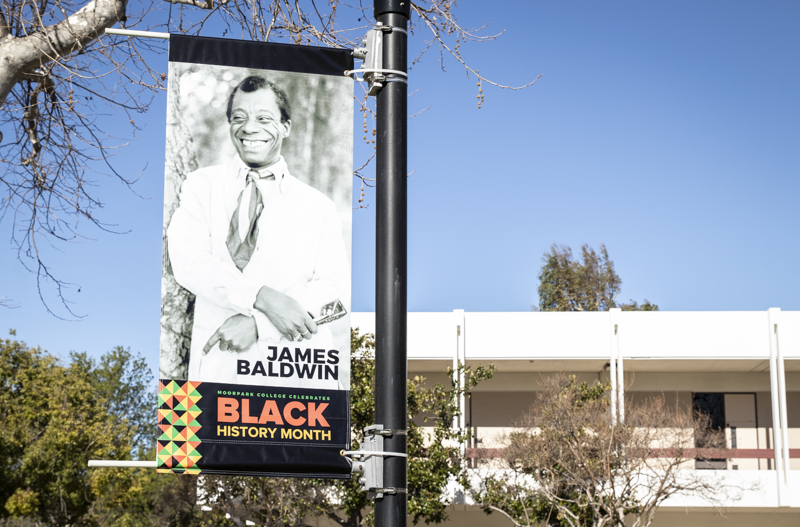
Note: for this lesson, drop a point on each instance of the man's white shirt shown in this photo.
(299, 252)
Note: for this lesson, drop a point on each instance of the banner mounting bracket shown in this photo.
(368, 462)
(371, 52)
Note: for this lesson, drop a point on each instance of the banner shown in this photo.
(255, 326)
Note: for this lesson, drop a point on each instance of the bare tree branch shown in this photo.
(60, 76)
(570, 456)
(195, 3)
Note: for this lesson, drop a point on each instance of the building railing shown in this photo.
(689, 453)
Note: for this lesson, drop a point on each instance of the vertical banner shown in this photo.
(255, 326)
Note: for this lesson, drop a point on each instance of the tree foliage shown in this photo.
(588, 284)
(572, 463)
(58, 416)
(633, 305)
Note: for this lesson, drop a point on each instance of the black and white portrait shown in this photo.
(257, 227)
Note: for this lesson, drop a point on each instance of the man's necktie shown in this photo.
(243, 231)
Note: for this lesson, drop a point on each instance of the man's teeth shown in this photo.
(253, 144)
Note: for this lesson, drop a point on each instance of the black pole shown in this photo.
(390, 273)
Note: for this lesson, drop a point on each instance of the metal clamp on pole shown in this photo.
(364, 454)
(365, 71)
(390, 490)
(368, 462)
(386, 432)
(371, 52)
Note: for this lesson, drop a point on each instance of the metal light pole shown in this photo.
(390, 274)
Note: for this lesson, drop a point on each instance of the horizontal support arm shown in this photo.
(132, 33)
(128, 464)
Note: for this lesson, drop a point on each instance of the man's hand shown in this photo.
(286, 314)
(237, 333)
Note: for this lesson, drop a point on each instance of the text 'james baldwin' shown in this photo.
(304, 364)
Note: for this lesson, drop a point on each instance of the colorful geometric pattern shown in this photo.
(177, 420)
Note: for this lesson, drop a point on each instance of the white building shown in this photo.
(749, 360)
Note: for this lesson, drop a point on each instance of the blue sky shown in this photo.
(670, 132)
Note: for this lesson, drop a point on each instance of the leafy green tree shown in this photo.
(635, 306)
(588, 284)
(142, 498)
(56, 417)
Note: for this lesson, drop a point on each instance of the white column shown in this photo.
(459, 359)
(612, 348)
(776, 317)
(777, 385)
(617, 370)
(620, 375)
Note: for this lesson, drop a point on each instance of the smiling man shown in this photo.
(262, 251)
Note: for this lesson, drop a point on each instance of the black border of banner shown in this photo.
(274, 458)
(260, 55)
